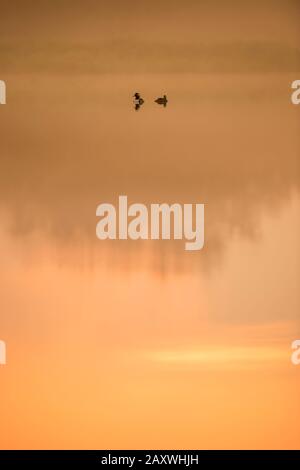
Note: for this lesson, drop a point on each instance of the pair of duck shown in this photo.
(138, 100)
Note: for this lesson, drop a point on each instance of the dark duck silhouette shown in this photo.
(162, 100)
(138, 101)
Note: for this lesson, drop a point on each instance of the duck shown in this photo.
(162, 100)
(138, 101)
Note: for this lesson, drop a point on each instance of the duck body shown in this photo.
(163, 101)
(138, 101)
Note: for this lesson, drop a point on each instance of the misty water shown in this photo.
(96, 329)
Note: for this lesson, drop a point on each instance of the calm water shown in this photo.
(109, 341)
